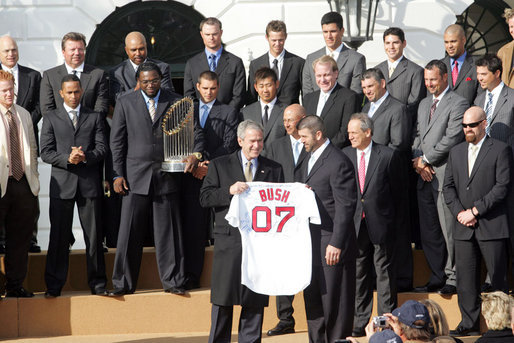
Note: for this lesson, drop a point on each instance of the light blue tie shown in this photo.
(296, 152)
(212, 62)
(489, 112)
(204, 115)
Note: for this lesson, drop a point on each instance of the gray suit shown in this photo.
(351, 66)
(122, 78)
(290, 78)
(407, 84)
(274, 129)
(391, 124)
(434, 139)
(93, 82)
(466, 84)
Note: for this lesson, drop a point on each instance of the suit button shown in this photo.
(362, 200)
(467, 188)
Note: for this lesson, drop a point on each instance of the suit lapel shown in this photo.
(466, 66)
(342, 58)
(214, 113)
(162, 105)
(23, 85)
(222, 62)
(63, 115)
(330, 102)
(303, 155)
(400, 68)
(374, 158)
(486, 146)
(272, 119)
(381, 109)
(85, 77)
(262, 171)
(319, 162)
(129, 74)
(286, 67)
(437, 114)
(82, 118)
(502, 99)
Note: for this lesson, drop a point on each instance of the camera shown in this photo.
(380, 322)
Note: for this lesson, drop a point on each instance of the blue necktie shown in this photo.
(296, 152)
(212, 62)
(204, 115)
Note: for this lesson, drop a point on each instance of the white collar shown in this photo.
(441, 95)
(395, 63)
(317, 153)
(279, 58)
(69, 109)
(366, 149)
(79, 69)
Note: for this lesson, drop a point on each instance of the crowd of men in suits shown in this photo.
(391, 152)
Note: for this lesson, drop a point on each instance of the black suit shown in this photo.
(274, 128)
(330, 298)
(376, 232)
(122, 78)
(226, 289)
(281, 151)
(92, 80)
(70, 184)
(231, 74)
(218, 137)
(336, 113)
(290, 78)
(138, 153)
(486, 188)
(466, 84)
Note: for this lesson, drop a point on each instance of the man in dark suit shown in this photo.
(73, 141)
(350, 64)
(332, 102)
(379, 182)
(330, 298)
(404, 78)
(123, 77)
(498, 104)
(226, 177)
(438, 130)
(26, 90)
(476, 187)
(94, 82)
(151, 195)
(229, 67)
(268, 110)
(462, 77)
(289, 152)
(19, 186)
(392, 128)
(215, 135)
(286, 65)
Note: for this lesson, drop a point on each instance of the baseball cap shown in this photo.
(412, 311)
(386, 336)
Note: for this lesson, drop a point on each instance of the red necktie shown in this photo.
(455, 72)
(362, 174)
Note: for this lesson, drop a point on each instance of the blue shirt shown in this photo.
(156, 98)
(217, 54)
(460, 60)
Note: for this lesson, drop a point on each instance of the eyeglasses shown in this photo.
(472, 125)
(147, 82)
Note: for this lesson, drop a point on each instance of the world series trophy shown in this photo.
(178, 129)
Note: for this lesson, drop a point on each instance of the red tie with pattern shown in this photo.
(455, 72)
(362, 174)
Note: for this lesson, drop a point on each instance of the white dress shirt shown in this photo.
(79, 69)
(280, 60)
(316, 154)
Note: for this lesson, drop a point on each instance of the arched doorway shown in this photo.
(170, 28)
(486, 30)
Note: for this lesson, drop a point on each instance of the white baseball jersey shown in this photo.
(273, 219)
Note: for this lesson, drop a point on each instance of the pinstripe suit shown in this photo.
(351, 66)
(407, 84)
(434, 139)
(466, 84)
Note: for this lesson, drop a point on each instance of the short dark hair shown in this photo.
(491, 61)
(313, 123)
(265, 72)
(74, 36)
(70, 78)
(210, 21)
(208, 75)
(148, 66)
(395, 31)
(439, 65)
(332, 18)
(276, 26)
(373, 73)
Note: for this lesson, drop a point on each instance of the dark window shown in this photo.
(171, 31)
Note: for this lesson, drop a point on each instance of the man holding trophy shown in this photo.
(150, 195)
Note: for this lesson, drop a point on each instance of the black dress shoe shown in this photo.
(99, 291)
(461, 331)
(428, 288)
(358, 333)
(191, 283)
(2, 248)
(447, 290)
(176, 290)
(486, 288)
(52, 294)
(34, 248)
(19, 293)
(118, 292)
(281, 329)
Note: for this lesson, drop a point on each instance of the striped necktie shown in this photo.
(14, 140)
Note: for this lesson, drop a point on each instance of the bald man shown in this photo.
(123, 76)
(462, 76)
(26, 89)
(289, 152)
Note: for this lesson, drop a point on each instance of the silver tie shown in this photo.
(152, 109)
(489, 112)
(74, 118)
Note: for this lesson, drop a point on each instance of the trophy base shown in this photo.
(173, 166)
